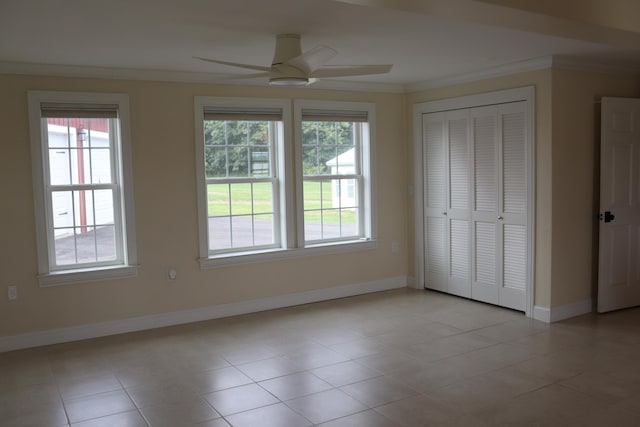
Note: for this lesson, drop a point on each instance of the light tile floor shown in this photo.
(397, 358)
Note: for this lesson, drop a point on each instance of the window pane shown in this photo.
(215, 162)
(240, 199)
(345, 133)
(83, 204)
(331, 224)
(313, 225)
(218, 200)
(241, 231)
(65, 246)
(236, 133)
(326, 158)
(345, 163)
(58, 133)
(238, 161)
(309, 133)
(311, 194)
(219, 233)
(214, 132)
(258, 133)
(106, 243)
(104, 209)
(343, 193)
(59, 167)
(263, 230)
(310, 160)
(100, 166)
(85, 245)
(262, 197)
(349, 222)
(80, 166)
(62, 207)
(260, 165)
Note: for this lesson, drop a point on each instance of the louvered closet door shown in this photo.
(458, 208)
(512, 230)
(485, 240)
(434, 132)
(446, 174)
(499, 230)
(475, 203)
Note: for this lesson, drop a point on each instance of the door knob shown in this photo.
(500, 218)
(607, 217)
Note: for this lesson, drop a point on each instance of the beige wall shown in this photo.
(165, 200)
(541, 80)
(162, 131)
(575, 173)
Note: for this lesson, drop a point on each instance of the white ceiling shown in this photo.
(424, 44)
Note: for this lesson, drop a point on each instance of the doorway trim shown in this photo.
(526, 94)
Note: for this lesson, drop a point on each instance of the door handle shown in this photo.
(500, 218)
(607, 216)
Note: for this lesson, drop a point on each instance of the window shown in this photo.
(84, 210)
(251, 204)
(334, 146)
(240, 159)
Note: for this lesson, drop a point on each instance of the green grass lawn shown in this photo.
(218, 201)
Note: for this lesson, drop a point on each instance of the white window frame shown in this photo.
(125, 264)
(365, 157)
(287, 158)
(281, 150)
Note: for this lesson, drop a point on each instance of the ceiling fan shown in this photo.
(291, 67)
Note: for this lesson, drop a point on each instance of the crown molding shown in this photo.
(502, 70)
(542, 63)
(24, 68)
(547, 62)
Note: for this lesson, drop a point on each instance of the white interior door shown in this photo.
(499, 214)
(436, 243)
(619, 251)
(446, 202)
(512, 218)
(457, 213)
(484, 215)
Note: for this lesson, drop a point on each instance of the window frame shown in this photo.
(365, 177)
(281, 151)
(288, 163)
(125, 264)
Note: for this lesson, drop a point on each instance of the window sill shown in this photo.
(250, 257)
(68, 277)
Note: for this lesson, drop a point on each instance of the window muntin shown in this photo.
(84, 227)
(333, 181)
(242, 186)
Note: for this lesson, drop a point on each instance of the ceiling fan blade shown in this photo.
(351, 70)
(244, 76)
(236, 64)
(312, 59)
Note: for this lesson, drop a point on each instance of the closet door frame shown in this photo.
(526, 94)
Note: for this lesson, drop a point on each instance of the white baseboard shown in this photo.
(555, 314)
(542, 314)
(412, 283)
(113, 327)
